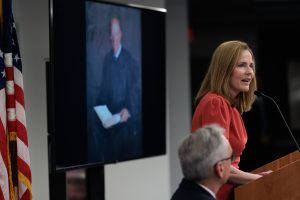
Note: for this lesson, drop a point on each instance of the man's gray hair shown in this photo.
(201, 150)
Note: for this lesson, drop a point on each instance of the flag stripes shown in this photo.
(4, 155)
(15, 172)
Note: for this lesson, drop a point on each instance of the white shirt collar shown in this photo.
(208, 190)
(116, 55)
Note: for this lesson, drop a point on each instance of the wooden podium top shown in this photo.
(282, 184)
(279, 163)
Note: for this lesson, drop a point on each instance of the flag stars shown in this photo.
(3, 73)
(17, 58)
(13, 42)
(1, 53)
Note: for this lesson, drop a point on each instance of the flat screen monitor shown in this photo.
(106, 83)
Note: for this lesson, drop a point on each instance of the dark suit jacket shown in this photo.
(189, 190)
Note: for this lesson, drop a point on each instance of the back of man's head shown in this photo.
(201, 150)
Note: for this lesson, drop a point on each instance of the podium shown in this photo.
(282, 184)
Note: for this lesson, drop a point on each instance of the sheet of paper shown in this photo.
(106, 117)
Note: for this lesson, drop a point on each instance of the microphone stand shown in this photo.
(257, 93)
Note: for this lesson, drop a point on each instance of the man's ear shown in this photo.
(219, 169)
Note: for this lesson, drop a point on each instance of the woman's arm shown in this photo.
(239, 177)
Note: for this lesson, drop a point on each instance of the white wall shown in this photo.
(179, 91)
(151, 178)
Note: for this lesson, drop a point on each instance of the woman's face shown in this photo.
(242, 74)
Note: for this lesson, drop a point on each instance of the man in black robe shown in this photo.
(121, 92)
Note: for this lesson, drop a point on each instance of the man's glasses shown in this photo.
(232, 158)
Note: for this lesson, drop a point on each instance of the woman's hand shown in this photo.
(265, 173)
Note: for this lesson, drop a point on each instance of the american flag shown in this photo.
(15, 172)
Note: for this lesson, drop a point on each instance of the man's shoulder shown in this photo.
(109, 55)
(125, 52)
(192, 191)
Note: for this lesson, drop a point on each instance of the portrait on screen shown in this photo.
(114, 82)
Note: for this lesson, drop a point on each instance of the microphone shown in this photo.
(257, 93)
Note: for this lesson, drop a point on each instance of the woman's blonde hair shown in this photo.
(219, 74)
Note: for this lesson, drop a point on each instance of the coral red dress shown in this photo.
(214, 108)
